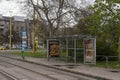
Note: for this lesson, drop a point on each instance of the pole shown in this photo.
(106, 61)
(66, 49)
(119, 51)
(10, 30)
(74, 50)
(48, 50)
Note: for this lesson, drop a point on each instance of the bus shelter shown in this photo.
(74, 48)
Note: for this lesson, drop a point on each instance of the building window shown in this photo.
(22, 29)
(1, 30)
(2, 26)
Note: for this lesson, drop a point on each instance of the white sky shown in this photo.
(11, 5)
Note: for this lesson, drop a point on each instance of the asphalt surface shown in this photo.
(24, 70)
(103, 73)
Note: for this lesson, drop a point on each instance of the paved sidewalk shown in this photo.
(77, 68)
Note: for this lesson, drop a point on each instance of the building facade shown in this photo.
(18, 23)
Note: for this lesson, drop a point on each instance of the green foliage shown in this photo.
(36, 55)
(41, 54)
(105, 49)
(107, 12)
(103, 22)
(111, 64)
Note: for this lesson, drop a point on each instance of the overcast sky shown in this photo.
(12, 5)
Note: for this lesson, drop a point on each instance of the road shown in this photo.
(28, 71)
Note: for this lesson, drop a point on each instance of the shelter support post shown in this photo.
(74, 50)
(66, 49)
(48, 50)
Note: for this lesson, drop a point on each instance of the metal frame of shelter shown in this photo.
(72, 44)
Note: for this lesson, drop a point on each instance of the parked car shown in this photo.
(2, 48)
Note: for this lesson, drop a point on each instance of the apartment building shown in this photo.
(4, 24)
(19, 24)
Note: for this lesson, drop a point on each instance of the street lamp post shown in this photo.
(10, 30)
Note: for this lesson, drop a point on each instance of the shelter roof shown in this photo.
(77, 36)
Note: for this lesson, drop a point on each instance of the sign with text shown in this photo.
(24, 41)
(24, 35)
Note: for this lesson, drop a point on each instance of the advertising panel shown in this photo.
(89, 51)
(54, 48)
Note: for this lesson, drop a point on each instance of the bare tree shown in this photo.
(55, 13)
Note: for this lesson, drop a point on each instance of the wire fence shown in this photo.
(109, 61)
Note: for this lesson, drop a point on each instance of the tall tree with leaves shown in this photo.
(105, 22)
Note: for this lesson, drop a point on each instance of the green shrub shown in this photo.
(105, 49)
